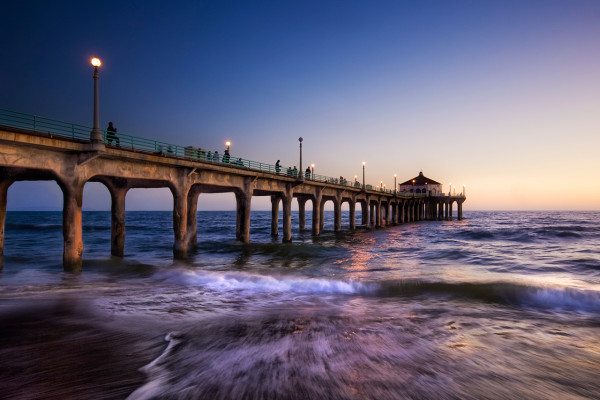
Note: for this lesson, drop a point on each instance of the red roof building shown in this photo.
(421, 184)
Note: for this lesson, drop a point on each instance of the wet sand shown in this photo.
(56, 350)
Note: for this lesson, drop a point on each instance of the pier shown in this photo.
(34, 148)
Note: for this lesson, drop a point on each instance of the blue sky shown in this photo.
(499, 95)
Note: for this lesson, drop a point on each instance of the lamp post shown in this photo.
(395, 186)
(381, 186)
(450, 189)
(464, 190)
(300, 174)
(312, 171)
(228, 143)
(96, 134)
(364, 187)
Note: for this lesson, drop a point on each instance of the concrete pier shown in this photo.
(26, 155)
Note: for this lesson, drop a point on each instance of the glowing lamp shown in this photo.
(96, 62)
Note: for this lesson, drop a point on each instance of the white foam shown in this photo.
(231, 281)
(563, 299)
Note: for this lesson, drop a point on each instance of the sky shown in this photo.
(501, 96)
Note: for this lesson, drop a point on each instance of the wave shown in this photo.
(507, 293)
(235, 281)
(529, 234)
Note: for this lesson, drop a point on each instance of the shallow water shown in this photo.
(498, 305)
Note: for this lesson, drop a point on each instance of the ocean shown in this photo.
(500, 305)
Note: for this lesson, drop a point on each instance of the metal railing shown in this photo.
(125, 141)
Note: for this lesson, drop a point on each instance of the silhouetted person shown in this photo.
(216, 156)
(226, 156)
(111, 134)
(277, 166)
(307, 173)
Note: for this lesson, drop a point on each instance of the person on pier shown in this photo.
(111, 134)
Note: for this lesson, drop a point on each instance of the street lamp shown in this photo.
(96, 134)
(300, 174)
(312, 170)
(464, 190)
(228, 143)
(395, 186)
(381, 186)
(364, 163)
(450, 189)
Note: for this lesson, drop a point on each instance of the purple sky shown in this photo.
(502, 96)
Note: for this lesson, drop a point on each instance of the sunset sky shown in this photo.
(503, 96)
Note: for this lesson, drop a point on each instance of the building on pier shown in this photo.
(421, 184)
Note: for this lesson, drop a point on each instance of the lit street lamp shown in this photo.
(364, 163)
(96, 134)
(300, 174)
(464, 190)
(312, 169)
(228, 143)
(395, 186)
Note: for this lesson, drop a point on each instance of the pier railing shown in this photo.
(123, 140)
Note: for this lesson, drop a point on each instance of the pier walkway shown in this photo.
(34, 148)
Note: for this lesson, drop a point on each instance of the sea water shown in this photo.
(500, 305)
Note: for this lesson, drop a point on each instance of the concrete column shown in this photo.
(322, 211)
(446, 207)
(316, 214)
(4, 185)
(192, 216)
(364, 207)
(460, 203)
(372, 215)
(402, 213)
(337, 214)
(352, 215)
(302, 213)
(242, 228)
(117, 220)
(275, 215)
(440, 206)
(450, 212)
(72, 229)
(395, 213)
(378, 214)
(388, 215)
(287, 215)
(180, 218)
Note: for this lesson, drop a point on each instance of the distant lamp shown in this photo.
(228, 143)
(395, 185)
(312, 170)
(363, 163)
(300, 174)
(96, 62)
